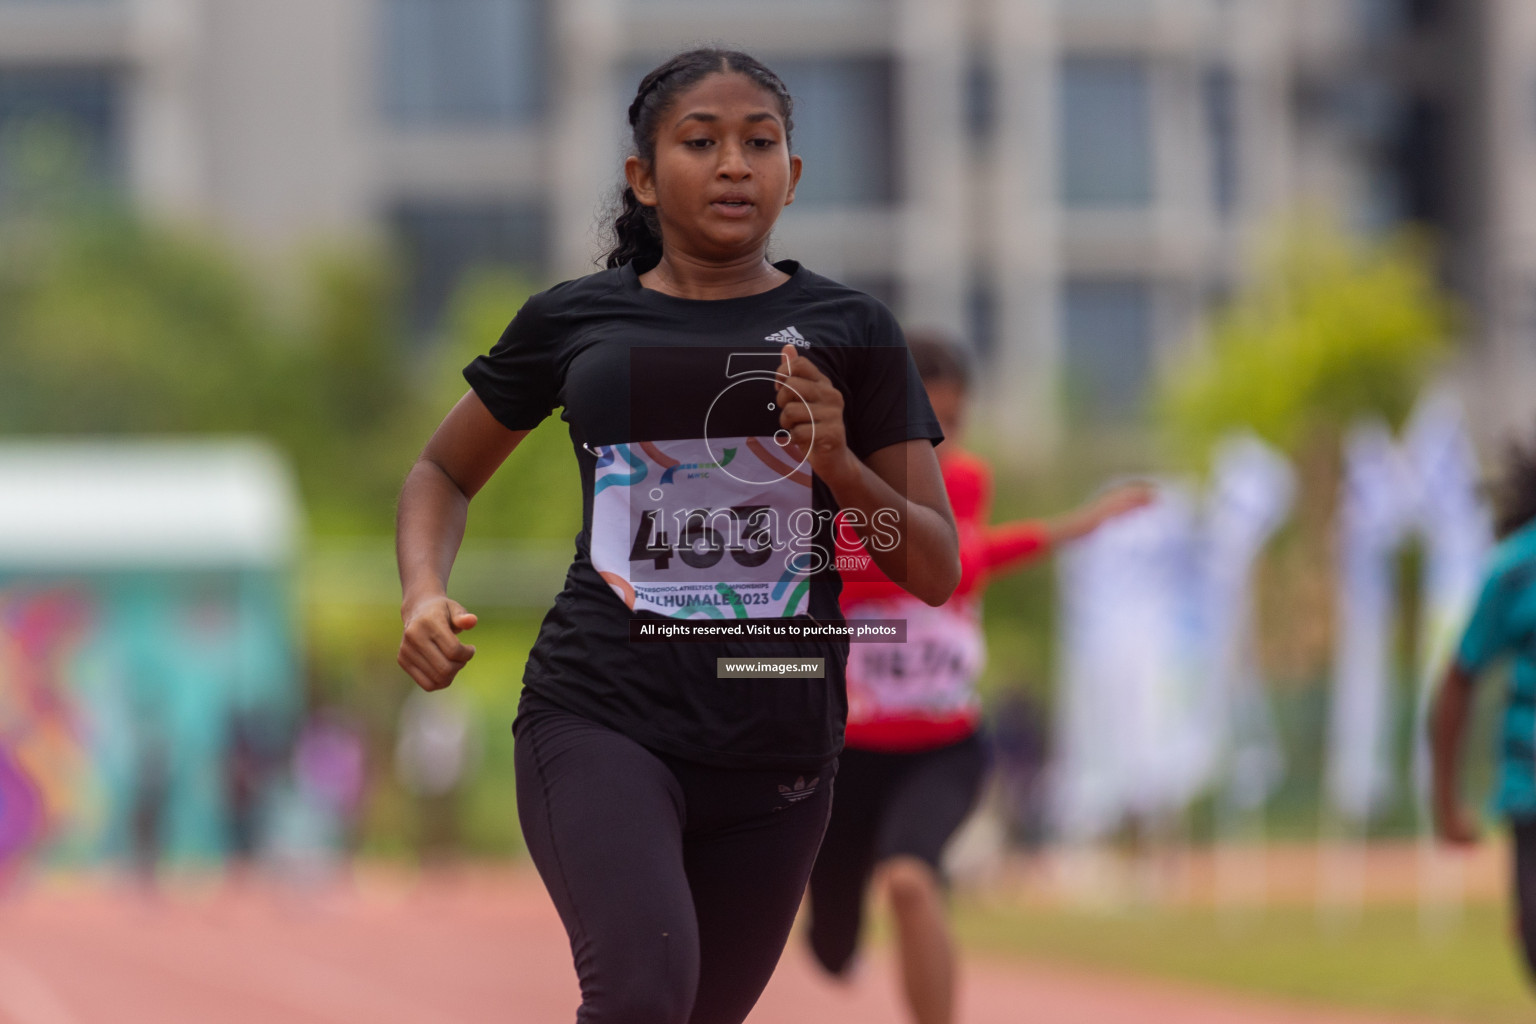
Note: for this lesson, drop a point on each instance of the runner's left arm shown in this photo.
(1447, 731)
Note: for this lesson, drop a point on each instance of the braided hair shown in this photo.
(636, 229)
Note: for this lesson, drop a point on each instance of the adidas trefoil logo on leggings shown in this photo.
(800, 790)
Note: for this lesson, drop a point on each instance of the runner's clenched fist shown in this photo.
(430, 649)
(811, 409)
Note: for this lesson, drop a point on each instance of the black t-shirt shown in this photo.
(693, 503)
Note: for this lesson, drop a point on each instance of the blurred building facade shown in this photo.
(1067, 183)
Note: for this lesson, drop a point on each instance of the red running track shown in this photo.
(462, 949)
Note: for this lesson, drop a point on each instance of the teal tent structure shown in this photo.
(147, 647)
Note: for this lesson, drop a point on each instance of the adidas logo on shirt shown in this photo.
(788, 336)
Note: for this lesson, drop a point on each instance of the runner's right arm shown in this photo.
(1486, 638)
(464, 451)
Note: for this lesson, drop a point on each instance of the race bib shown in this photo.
(933, 674)
(710, 527)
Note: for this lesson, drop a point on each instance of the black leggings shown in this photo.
(1525, 888)
(678, 883)
(888, 805)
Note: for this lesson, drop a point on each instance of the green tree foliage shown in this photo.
(1331, 329)
(345, 405)
(113, 324)
(536, 495)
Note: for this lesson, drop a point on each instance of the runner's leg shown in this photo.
(846, 861)
(603, 818)
(926, 808)
(749, 850)
(923, 943)
(1524, 830)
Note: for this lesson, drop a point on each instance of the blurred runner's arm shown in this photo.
(1010, 545)
(926, 559)
(1086, 518)
(1448, 728)
(1013, 544)
(464, 451)
(986, 551)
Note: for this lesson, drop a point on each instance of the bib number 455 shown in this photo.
(704, 536)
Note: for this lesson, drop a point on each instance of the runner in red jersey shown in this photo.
(914, 759)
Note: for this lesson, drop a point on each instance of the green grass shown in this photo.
(1382, 963)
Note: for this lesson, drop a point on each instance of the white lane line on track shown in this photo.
(27, 998)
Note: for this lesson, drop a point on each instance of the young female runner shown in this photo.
(722, 409)
(914, 761)
(1503, 624)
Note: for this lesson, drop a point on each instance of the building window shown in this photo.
(59, 127)
(1419, 155)
(444, 240)
(845, 129)
(1107, 340)
(980, 98)
(1380, 19)
(1105, 9)
(1401, 144)
(1384, 20)
(1371, 115)
(981, 314)
(1220, 88)
(463, 62)
(1105, 132)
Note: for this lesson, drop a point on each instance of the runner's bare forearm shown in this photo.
(1448, 726)
(925, 558)
(429, 527)
(460, 457)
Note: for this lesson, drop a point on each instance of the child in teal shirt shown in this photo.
(1503, 624)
